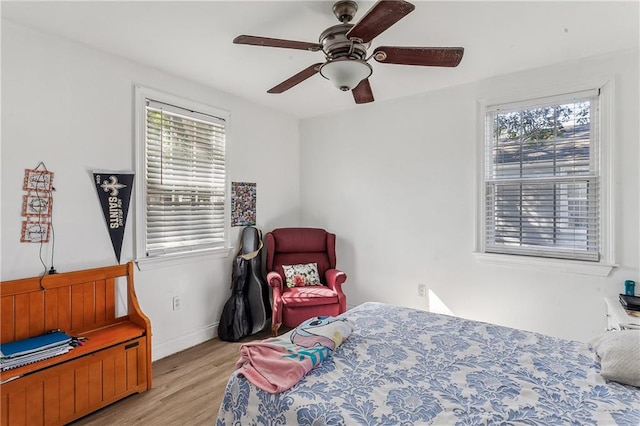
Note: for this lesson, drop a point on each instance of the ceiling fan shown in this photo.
(345, 48)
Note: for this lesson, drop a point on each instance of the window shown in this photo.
(181, 178)
(543, 178)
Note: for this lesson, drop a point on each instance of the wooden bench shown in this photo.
(114, 362)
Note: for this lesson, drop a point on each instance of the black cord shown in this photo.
(44, 273)
(53, 242)
(38, 194)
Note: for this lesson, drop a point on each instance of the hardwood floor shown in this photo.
(187, 388)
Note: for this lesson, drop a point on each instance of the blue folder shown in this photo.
(33, 344)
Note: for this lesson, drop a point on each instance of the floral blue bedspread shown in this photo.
(405, 366)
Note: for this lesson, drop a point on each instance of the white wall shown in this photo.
(396, 181)
(72, 107)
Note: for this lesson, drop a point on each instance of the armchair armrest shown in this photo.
(275, 280)
(335, 278)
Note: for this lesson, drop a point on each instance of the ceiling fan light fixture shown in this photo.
(345, 48)
(345, 73)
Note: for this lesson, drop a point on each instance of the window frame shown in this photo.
(605, 135)
(188, 255)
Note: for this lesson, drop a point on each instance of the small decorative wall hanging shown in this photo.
(114, 192)
(243, 204)
(37, 205)
(34, 232)
(38, 180)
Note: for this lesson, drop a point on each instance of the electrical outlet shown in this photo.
(177, 303)
(422, 290)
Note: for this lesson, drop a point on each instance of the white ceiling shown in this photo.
(193, 40)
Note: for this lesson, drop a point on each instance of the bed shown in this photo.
(406, 366)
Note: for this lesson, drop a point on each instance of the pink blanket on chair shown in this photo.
(275, 365)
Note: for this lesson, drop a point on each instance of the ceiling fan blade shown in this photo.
(276, 42)
(362, 93)
(381, 16)
(296, 79)
(423, 56)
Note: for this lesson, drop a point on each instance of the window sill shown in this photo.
(568, 266)
(155, 262)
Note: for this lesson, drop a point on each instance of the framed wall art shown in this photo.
(38, 180)
(37, 205)
(35, 232)
(243, 203)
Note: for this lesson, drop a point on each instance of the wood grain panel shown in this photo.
(52, 400)
(51, 310)
(77, 307)
(110, 297)
(36, 313)
(108, 377)
(64, 307)
(132, 367)
(18, 407)
(35, 403)
(120, 382)
(142, 356)
(100, 302)
(22, 316)
(67, 400)
(82, 388)
(4, 412)
(26, 285)
(7, 322)
(89, 305)
(95, 383)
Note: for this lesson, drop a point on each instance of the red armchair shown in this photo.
(294, 246)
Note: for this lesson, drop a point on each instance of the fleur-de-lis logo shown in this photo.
(114, 186)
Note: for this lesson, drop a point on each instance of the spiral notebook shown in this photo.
(33, 344)
(19, 361)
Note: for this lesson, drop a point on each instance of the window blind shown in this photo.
(185, 179)
(541, 178)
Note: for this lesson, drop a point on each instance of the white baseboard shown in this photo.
(185, 341)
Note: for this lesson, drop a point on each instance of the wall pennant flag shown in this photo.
(114, 192)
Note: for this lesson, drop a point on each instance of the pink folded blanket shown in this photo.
(275, 365)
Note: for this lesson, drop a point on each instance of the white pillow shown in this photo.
(619, 353)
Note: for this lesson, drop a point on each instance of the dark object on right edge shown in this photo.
(631, 303)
